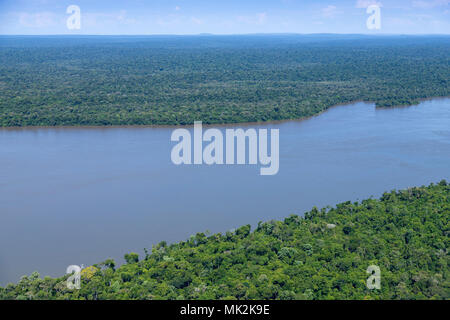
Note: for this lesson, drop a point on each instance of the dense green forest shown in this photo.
(323, 255)
(47, 81)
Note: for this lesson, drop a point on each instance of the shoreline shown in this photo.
(218, 125)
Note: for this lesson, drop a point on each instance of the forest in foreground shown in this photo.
(321, 255)
(175, 80)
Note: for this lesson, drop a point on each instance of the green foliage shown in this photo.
(131, 257)
(405, 233)
(176, 80)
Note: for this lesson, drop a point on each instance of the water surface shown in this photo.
(81, 195)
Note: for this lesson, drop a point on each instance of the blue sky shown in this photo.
(224, 17)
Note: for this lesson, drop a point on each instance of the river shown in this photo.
(81, 195)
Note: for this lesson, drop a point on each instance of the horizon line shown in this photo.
(234, 34)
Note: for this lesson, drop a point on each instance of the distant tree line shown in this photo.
(156, 81)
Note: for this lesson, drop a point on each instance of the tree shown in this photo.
(131, 257)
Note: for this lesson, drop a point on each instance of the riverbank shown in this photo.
(219, 125)
(323, 255)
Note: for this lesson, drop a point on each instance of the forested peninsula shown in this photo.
(323, 254)
(176, 80)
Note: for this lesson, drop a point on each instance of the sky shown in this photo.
(147, 17)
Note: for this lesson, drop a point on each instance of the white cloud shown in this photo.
(329, 11)
(37, 20)
(363, 4)
(262, 17)
(430, 4)
(169, 20)
(259, 18)
(122, 18)
(173, 20)
(196, 20)
(402, 22)
(177, 8)
(95, 19)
